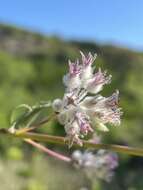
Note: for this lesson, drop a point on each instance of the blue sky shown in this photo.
(106, 21)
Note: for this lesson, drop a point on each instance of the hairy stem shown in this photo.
(86, 144)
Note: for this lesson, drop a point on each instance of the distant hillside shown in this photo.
(20, 41)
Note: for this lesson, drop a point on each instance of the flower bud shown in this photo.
(57, 105)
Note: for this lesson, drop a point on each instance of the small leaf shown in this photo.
(27, 115)
(19, 112)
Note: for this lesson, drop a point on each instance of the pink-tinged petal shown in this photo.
(113, 100)
(87, 69)
(71, 83)
(87, 60)
(99, 79)
(74, 68)
(72, 79)
(83, 123)
(73, 132)
(112, 117)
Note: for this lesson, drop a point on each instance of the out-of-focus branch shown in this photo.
(48, 151)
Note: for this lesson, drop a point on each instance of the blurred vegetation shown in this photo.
(31, 69)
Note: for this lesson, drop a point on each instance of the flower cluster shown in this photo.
(100, 165)
(82, 107)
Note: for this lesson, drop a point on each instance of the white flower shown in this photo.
(78, 111)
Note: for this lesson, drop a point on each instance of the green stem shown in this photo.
(86, 144)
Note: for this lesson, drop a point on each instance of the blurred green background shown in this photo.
(31, 69)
